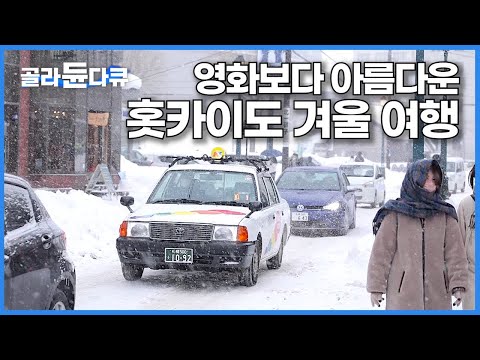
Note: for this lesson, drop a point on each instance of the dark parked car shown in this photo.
(38, 272)
(162, 160)
(137, 157)
(320, 198)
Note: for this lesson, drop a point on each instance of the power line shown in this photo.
(457, 53)
(323, 52)
(208, 56)
(178, 66)
(154, 68)
(300, 56)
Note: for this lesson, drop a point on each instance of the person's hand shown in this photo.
(376, 298)
(458, 294)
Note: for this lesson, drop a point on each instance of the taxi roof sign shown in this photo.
(218, 153)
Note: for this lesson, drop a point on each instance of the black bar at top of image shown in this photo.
(288, 30)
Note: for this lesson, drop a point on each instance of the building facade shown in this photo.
(401, 148)
(54, 136)
(169, 75)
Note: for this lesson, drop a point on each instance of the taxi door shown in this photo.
(275, 216)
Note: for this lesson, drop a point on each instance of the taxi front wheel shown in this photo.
(132, 272)
(249, 276)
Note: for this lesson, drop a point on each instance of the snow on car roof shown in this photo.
(223, 167)
(248, 164)
(313, 168)
(454, 158)
(353, 162)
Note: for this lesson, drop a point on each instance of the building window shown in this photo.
(99, 146)
(12, 57)
(63, 55)
(52, 141)
(37, 143)
(61, 140)
(12, 83)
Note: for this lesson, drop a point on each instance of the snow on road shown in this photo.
(318, 273)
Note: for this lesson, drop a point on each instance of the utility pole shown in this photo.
(389, 59)
(443, 152)
(286, 117)
(418, 144)
(238, 148)
(277, 62)
(382, 160)
(270, 140)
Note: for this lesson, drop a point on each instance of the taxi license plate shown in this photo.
(299, 216)
(179, 255)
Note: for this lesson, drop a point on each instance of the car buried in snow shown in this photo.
(38, 273)
(210, 214)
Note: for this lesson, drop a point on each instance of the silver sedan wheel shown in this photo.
(59, 306)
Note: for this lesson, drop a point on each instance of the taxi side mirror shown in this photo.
(255, 206)
(127, 201)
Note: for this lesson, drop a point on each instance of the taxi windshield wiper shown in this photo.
(230, 203)
(178, 201)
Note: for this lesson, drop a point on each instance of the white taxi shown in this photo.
(207, 213)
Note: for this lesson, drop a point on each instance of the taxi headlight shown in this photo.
(138, 229)
(224, 233)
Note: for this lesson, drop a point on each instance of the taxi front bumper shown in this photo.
(207, 255)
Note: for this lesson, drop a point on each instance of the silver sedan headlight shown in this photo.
(333, 206)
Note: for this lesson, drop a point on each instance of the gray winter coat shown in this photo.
(466, 220)
(417, 270)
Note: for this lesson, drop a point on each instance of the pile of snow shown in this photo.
(139, 181)
(91, 223)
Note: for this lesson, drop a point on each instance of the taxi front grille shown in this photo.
(180, 231)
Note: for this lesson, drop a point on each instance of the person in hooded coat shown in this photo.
(293, 160)
(466, 220)
(359, 157)
(418, 258)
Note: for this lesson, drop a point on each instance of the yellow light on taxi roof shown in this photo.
(218, 153)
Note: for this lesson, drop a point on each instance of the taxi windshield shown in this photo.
(205, 186)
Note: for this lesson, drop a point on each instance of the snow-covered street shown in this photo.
(275, 161)
(318, 273)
